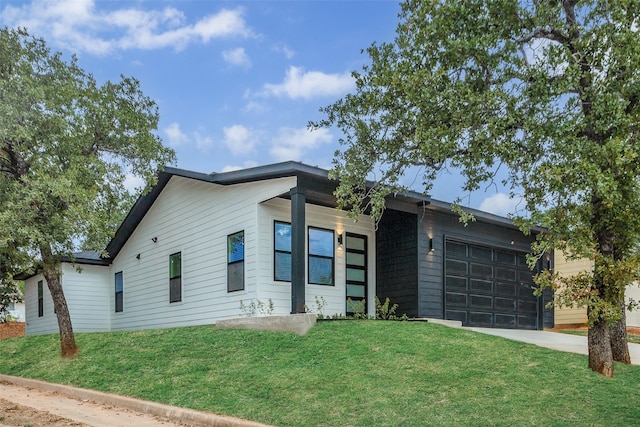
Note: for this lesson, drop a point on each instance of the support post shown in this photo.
(298, 258)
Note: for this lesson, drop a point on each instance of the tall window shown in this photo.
(282, 256)
(321, 261)
(40, 299)
(119, 285)
(235, 262)
(175, 277)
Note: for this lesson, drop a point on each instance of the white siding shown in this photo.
(47, 324)
(86, 292)
(321, 217)
(193, 218)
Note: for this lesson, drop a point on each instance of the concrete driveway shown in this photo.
(553, 340)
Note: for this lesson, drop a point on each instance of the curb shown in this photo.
(175, 413)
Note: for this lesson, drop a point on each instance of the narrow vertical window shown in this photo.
(235, 262)
(40, 299)
(175, 277)
(321, 262)
(119, 288)
(282, 248)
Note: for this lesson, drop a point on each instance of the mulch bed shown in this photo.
(12, 329)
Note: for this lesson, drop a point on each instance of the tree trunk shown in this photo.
(618, 333)
(68, 346)
(600, 355)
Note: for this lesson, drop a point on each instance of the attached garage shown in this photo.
(489, 287)
(475, 273)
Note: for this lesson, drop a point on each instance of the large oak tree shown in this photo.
(546, 92)
(67, 144)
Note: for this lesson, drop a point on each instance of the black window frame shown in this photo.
(235, 264)
(175, 281)
(118, 294)
(40, 298)
(281, 252)
(311, 256)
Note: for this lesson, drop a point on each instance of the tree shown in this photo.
(541, 95)
(66, 146)
(10, 292)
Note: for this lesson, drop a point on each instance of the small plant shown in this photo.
(386, 311)
(321, 303)
(358, 308)
(256, 306)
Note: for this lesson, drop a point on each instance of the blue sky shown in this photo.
(236, 82)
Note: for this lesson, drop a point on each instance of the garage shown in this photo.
(489, 287)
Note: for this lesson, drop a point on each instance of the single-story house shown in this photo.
(574, 316)
(199, 248)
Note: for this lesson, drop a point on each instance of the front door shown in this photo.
(356, 273)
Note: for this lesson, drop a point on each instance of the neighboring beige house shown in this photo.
(578, 316)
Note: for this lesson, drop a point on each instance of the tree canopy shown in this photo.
(67, 145)
(546, 91)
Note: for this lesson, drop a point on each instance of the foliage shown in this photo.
(545, 93)
(256, 306)
(385, 311)
(356, 373)
(67, 144)
(357, 308)
(9, 293)
(320, 305)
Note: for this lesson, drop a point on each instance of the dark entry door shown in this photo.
(356, 272)
(489, 287)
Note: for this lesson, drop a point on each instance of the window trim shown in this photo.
(235, 262)
(40, 298)
(171, 301)
(120, 292)
(279, 251)
(332, 257)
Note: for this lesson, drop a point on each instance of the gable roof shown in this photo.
(316, 180)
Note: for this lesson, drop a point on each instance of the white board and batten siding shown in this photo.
(85, 291)
(193, 218)
(320, 217)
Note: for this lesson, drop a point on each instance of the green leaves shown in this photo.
(549, 91)
(67, 145)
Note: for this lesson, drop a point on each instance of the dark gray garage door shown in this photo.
(488, 287)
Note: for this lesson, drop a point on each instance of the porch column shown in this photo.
(298, 258)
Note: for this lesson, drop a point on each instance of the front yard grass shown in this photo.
(342, 373)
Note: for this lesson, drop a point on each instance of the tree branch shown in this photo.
(552, 34)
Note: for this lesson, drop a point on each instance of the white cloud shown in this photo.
(79, 26)
(239, 139)
(133, 183)
(175, 136)
(245, 165)
(237, 57)
(499, 204)
(285, 50)
(291, 144)
(256, 107)
(203, 142)
(300, 84)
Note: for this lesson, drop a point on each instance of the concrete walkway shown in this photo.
(553, 340)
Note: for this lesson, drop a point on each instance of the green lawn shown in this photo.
(342, 373)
